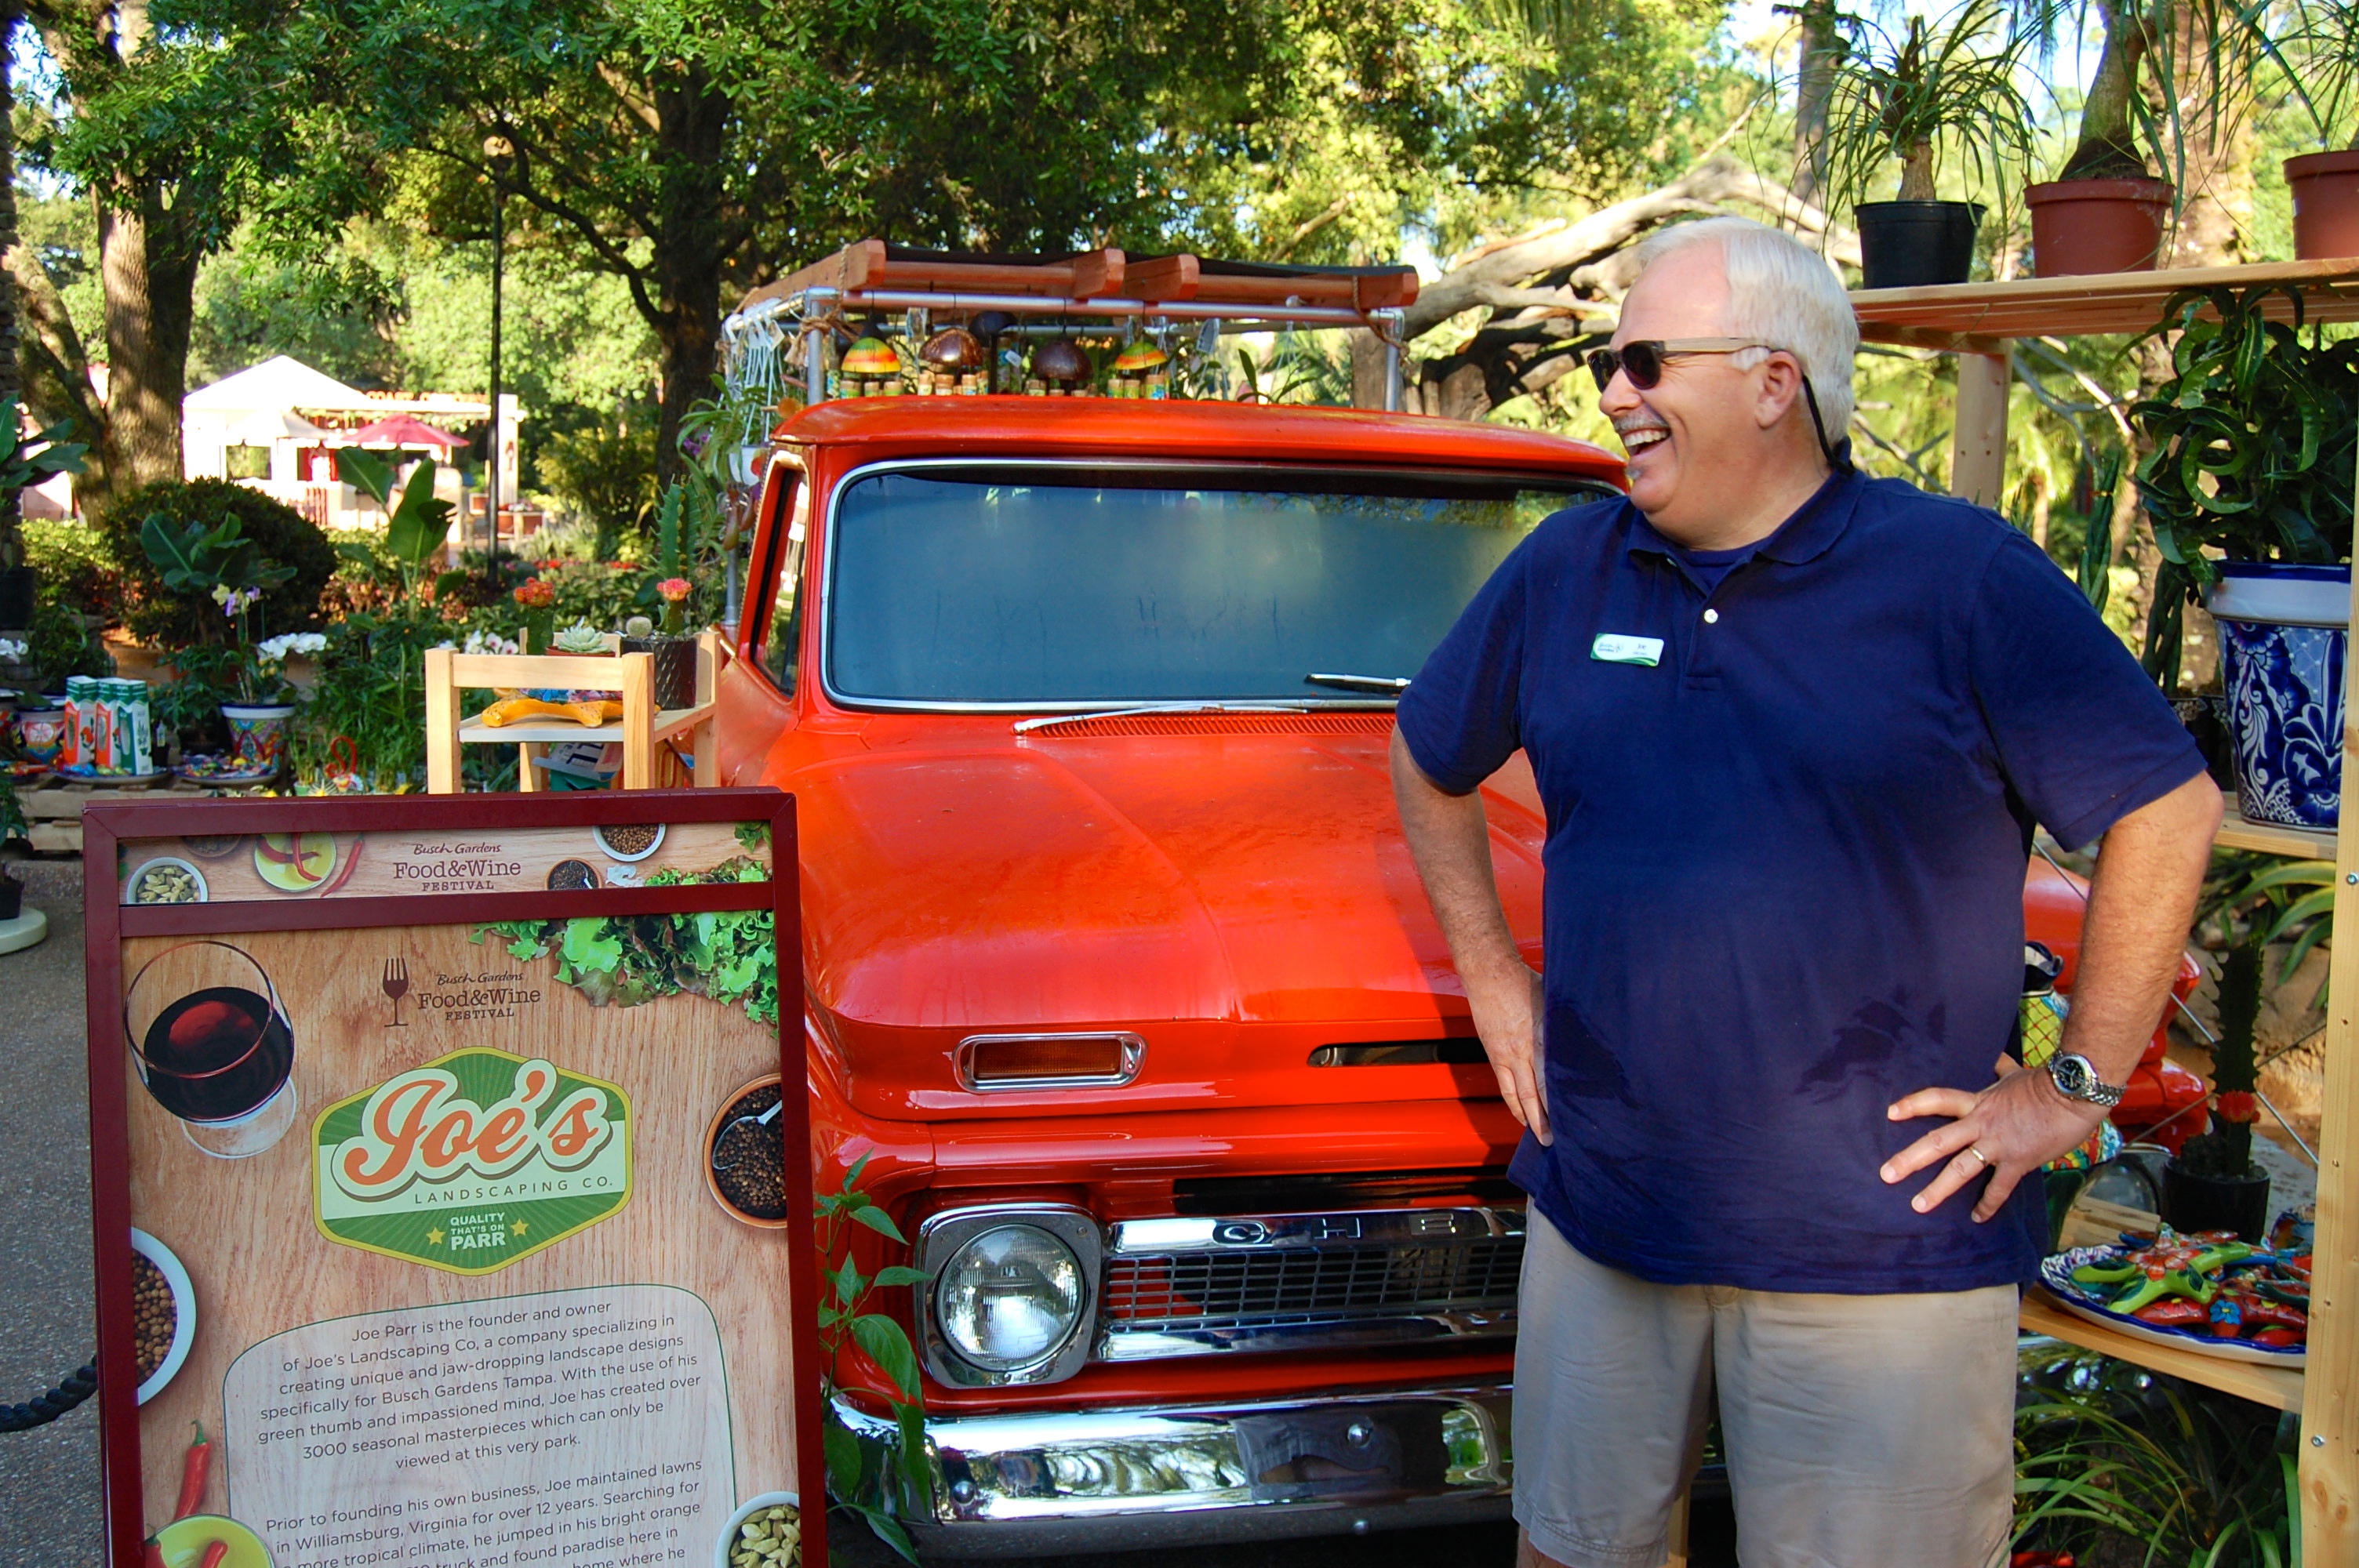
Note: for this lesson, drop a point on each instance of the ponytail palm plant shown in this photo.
(1949, 87)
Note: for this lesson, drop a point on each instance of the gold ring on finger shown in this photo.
(1978, 1154)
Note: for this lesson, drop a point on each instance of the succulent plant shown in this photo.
(579, 638)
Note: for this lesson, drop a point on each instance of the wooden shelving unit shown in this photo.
(1975, 322)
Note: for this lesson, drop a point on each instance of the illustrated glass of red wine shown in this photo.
(214, 1046)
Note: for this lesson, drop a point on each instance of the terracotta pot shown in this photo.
(2084, 226)
(2325, 188)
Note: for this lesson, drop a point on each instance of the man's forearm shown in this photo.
(2141, 902)
(1450, 841)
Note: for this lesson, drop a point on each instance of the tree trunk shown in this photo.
(147, 266)
(2108, 145)
(2215, 150)
(12, 381)
(690, 125)
(150, 278)
(1822, 47)
(1916, 174)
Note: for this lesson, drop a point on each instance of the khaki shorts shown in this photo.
(1863, 1431)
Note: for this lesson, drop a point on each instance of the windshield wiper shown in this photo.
(1027, 726)
(1360, 682)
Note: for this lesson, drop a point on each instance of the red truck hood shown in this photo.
(1237, 899)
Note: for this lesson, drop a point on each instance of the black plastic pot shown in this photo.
(2192, 1200)
(675, 667)
(1908, 245)
(12, 898)
(16, 585)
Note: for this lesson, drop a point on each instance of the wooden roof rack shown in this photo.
(872, 274)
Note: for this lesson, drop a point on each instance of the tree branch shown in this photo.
(1708, 188)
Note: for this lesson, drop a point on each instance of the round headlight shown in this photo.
(1009, 1298)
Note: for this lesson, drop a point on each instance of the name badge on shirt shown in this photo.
(1617, 648)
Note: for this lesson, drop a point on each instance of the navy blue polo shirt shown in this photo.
(1784, 863)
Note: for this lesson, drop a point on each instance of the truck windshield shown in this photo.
(1048, 587)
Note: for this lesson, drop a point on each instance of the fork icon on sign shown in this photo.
(397, 986)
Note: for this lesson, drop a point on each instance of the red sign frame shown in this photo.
(108, 923)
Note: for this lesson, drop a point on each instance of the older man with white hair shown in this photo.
(1793, 727)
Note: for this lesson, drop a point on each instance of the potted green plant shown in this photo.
(26, 460)
(2323, 67)
(2105, 210)
(2249, 489)
(2211, 1184)
(219, 561)
(674, 650)
(1947, 87)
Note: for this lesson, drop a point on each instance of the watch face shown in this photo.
(2071, 1076)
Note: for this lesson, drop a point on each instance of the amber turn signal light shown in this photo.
(987, 1063)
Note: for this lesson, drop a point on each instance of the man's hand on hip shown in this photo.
(2008, 1132)
(2141, 902)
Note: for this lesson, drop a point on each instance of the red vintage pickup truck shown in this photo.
(1118, 970)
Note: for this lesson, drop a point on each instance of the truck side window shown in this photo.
(782, 648)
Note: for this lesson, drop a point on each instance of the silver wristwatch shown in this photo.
(2076, 1078)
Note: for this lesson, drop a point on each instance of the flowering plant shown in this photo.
(260, 669)
(674, 592)
(538, 598)
(11, 649)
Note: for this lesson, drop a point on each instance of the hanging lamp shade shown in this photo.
(1141, 358)
(871, 356)
(1060, 359)
(952, 349)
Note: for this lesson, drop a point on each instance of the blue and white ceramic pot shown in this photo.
(2283, 636)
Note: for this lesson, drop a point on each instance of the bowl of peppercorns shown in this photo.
(745, 1157)
(163, 1313)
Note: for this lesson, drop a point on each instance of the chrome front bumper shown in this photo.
(1067, 1481)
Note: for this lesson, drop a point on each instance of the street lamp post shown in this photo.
(497, 150)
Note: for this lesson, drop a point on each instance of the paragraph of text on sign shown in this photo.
(586, 1427)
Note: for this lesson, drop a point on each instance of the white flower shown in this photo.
(487, 642)
(10, 648)
(275, 649)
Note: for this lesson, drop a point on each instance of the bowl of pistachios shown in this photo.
(766, 1532)
(166, 879)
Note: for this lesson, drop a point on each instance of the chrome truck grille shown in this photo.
(1201, 1286)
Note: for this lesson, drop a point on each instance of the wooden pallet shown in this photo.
(53, 811)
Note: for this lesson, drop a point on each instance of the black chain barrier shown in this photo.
(45, 1409)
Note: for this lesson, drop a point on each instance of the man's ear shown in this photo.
(1781, 388)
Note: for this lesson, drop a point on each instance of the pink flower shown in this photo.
(673, 589)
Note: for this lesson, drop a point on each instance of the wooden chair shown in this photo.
(641, 730)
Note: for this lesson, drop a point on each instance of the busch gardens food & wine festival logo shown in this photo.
(472, 1162)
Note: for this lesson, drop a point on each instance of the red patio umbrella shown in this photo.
(403, 431)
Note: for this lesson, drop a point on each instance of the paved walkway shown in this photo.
(49, 1477)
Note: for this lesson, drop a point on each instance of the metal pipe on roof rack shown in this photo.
(1036, 304)
(1387, 324)
(814, 343)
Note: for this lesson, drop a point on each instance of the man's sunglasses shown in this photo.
(1642, 360)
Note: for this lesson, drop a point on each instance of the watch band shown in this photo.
(2075, 1077)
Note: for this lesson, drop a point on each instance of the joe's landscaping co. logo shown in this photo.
(472, 1162)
